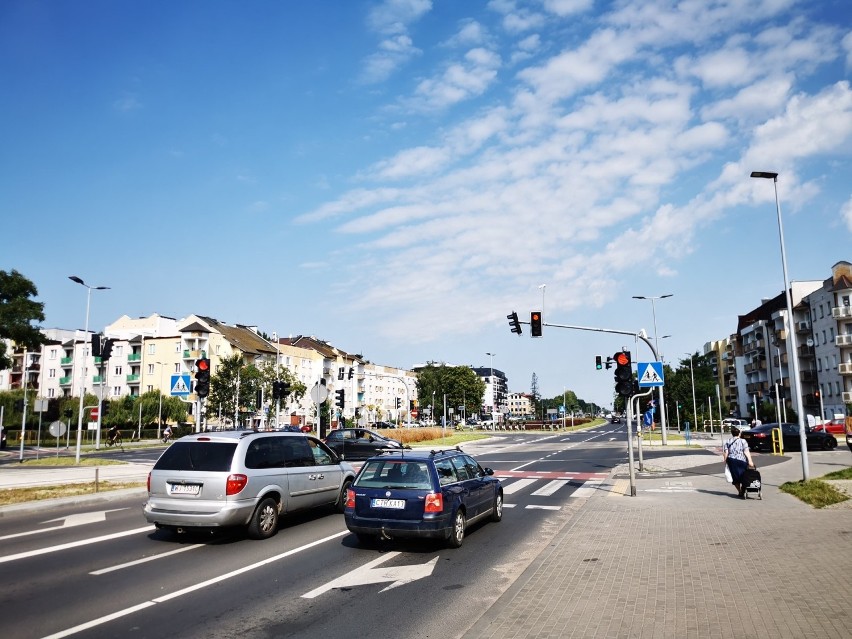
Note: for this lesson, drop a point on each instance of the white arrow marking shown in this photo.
(369, 574)
(67, 522)
(80, 519)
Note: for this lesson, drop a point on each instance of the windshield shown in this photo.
(394, 473)
(204, 456)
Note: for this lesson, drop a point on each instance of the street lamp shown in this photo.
(89, 290)
(160, 410)
(491, 384)
(692, 377)
(653, 298)
(797, 381)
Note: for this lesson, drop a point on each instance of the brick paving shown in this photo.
(686, 558)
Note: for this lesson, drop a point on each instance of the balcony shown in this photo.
(133, 378)
(98, 379)
(803, 327)
(843, 340)
(66, 361)
(841, 312)
(757, 387)
(806, 351)
(65, 381)
(134, 357)
(754, 345)
(845, 369)
(732, 383)
(847, 397)
(194, 354)
(811, 376)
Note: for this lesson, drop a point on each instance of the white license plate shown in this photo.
(399, 504)
(186, 489)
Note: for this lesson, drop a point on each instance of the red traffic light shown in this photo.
(203, 364)
(622, 359)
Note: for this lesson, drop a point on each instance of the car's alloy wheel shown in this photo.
(264, 521)
(497, 513)
(340, 506)
(457, 531)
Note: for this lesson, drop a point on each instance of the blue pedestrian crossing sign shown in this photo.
(180, 386)
(650, 374)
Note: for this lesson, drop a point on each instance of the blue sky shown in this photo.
(397, 176)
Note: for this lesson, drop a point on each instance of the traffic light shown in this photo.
(411, 404)
(96, 344)
(514, 323)
(202, 377)
(816, 394)
(19, 405)
(535, 323)
(609, 363)
(398, 402)
(598, 362)
(285, 389)
(623, 374)
(104, 410)
(351, 372)
(340, 373)
(340, 398)
(106, 350)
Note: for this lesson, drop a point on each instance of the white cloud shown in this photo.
(846, 213)
(391, 18)
(460, 81)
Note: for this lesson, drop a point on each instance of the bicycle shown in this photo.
(115, 440)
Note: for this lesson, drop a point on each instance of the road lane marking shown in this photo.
(588, 488)
(515, 486)
(73, 544)
(370, 574)
(178, 593)
(78, 519)
(539, 507)
(549, 488)
(103, 571)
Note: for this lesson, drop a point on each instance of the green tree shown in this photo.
(460, 384)
(223, 386)
(17, 314)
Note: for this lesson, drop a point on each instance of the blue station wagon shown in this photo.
(433, 494)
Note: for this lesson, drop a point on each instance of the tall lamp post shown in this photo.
(653, 298)
(89, 290)
(491, 384)
(694, 405)
(160, 409)
(797, 380)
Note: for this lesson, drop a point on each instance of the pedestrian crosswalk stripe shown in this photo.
(551, 487)
(517, 485)
(588, 488)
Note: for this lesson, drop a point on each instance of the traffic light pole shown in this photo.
(639, 335)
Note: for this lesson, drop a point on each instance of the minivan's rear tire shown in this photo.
(457, 531)
(340, 506)
(264, 520)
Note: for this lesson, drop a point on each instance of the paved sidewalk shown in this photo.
(686, 558)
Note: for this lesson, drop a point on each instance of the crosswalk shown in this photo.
(529, 487)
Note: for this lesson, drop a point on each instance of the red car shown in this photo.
(835, 426)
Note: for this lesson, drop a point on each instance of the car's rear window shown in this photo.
(204, 456)
(394, 473)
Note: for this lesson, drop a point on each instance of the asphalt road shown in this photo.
(104, 572)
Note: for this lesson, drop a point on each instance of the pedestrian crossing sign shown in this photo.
(650, 374)
(180, 385)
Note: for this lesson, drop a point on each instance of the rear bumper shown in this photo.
(201, 515)
(437, 528)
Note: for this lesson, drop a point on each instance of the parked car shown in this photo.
(433, 494)
(728, 422)
(359, 443)
(243, 478)
(760, 438)
(834, 426)
(383, 425)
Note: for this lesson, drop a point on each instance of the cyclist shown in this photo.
(114, 435)
(167, 434)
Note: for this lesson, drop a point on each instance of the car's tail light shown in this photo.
(350, 498)
(235, 484)
(761, 435)
(149, 483)
(434, 503)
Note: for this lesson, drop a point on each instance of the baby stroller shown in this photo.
(751, 482)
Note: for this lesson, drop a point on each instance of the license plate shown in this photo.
(186, 489)
(398, 504)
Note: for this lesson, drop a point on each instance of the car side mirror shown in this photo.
(488, 471)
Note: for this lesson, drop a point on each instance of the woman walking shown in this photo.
(738, 458)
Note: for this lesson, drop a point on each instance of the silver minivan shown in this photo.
(243, 478)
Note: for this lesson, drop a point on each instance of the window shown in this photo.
(119, 350)
(177, 347)
(52, 353)
(297, 453)
(116, 391)
(150, 369)
(177, 368)
(322, 456)
(461, 469)
(117, 370)
(446, 472)
(152, 349)
(52, 373)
